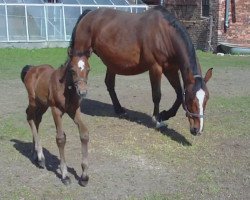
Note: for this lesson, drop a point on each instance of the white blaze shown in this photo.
(81, 64)
(200, 96)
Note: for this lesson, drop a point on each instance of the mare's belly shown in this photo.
(121, 59)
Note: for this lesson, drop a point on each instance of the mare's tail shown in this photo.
(24, 71)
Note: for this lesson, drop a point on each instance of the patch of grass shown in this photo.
(157, 196)
(230, 116)
(206, 180)
(208, 60)
(13, 60)
(10, 129)
(19, 193)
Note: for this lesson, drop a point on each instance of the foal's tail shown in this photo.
(24, 71)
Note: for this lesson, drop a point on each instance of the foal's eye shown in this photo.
(72, 72)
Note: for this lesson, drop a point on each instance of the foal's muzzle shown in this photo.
(81, 87)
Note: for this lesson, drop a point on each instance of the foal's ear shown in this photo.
(69, 52)
(208, 75)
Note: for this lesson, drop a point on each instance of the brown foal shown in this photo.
(62, 90)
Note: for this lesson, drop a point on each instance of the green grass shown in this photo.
(13, 60)
(9, 128)
(230, 114)
(209, 60)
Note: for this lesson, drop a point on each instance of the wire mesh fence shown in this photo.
(44, 22)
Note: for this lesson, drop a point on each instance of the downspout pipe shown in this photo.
(227, 14)
(162, 2)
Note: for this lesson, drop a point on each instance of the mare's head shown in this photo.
(78, 68)
(195, 98)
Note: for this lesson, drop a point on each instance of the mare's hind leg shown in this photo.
(84, 137)
(174, 80)
(34, 117)
(61, 141)
(155, 79)
(110, 83)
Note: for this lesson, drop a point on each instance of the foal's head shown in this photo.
(195, 98)
(78, 68)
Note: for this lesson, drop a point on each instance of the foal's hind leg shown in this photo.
(174, 80)
(61, 141)
(34, 117)
(84, 137)
(110, 83)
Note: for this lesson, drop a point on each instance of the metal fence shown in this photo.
(45, 22)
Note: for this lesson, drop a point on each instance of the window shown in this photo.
(205, 8)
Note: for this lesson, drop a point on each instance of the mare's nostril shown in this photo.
(194, 131)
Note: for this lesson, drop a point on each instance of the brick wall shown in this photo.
(238, 32)
(189, 13)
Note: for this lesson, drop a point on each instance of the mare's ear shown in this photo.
(208, 75)
(70, 52)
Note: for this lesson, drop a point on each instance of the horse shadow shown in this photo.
(97, 108)
(51, 161)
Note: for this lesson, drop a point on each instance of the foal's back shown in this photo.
(36, 80)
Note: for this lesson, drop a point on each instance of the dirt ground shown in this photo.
(128, 158)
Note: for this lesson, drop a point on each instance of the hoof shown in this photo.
(123, 115)
(84, 181)
(157, 123)
(160, 124)
(41, 163)
(66, 181)
(120, 111)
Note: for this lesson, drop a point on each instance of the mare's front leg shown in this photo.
(61, 141)
(155, 78)
(110, 83)
(174, 80)
(84, 137)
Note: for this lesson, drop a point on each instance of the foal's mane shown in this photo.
(66, 66)
(183, 34)
(72, 40)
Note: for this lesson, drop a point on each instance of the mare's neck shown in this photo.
(188, 65)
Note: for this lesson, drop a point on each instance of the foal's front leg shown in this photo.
(61, 141)
(84, 137)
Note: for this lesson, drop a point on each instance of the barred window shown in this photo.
(205, 8)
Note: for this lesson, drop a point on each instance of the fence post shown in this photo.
(46, 24)
(7, 23)
(26, 23)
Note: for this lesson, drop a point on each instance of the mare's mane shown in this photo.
(183, 34)
(72, 41)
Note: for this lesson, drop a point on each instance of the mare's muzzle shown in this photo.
(195, 131)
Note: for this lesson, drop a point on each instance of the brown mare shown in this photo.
(62, 90)
(153, 41)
